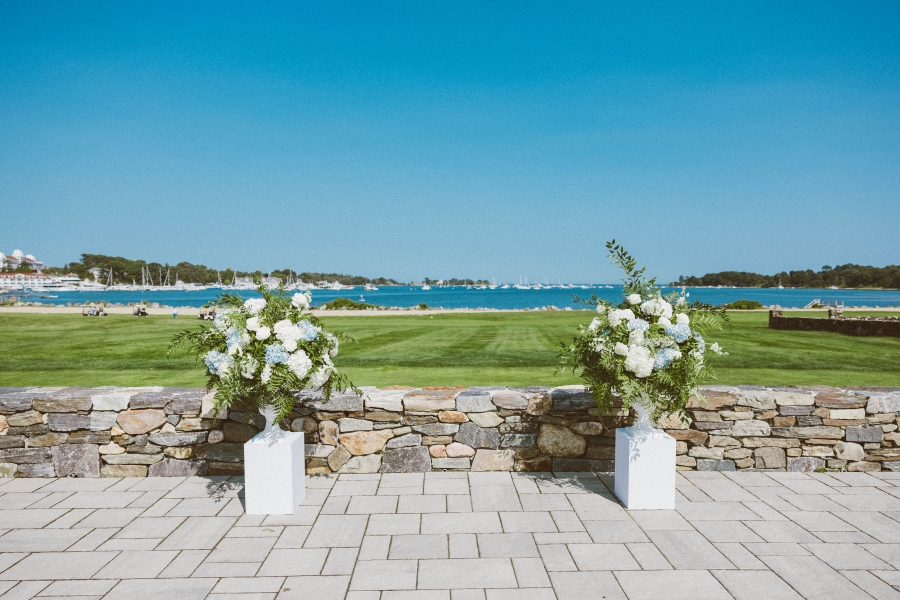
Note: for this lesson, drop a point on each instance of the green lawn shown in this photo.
(513, 349)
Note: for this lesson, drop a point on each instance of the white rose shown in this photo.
(682, 319)
(299, 363)
(621, 349)
(263, 333)
(290, 345)
(253, 323)
(254, 305)
(319, 377)
(634, 298)
(601, 308)
(595, 325)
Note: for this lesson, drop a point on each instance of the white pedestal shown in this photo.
(645, 469)
(274, 473)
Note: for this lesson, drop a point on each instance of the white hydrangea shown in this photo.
(263, 333)
(290, 345)
(254, 305)
(657, 307)
(663, 322)
(253, 323)
(617, 315)
(634, 298)
(222, 322)
(682, 319)
(621, 349)
(299, 363)
(639, 361)
(636, 338)
(301, 300)
(601, 308)
(266, 373)
(319, 377)
(333, 344)
(595, 325)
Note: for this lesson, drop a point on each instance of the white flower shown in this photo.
(657, 307)
(601, 308)
(595, 325)
(639, 361)
(682, 319)
(333, 344)
(621, 349)
(253, 323)
(636, 338)
(254, 305)
(222, 322)
(319, 377)
(301, 300)
(634, 298)
(263, 333)
(715, 348)
(248, 367)
(266, 373)
(663, 322)
(618, 315)
(299, 363)
(290, 345)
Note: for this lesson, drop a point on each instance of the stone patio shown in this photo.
(454, 536)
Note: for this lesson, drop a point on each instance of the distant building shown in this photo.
(20, 281)
(13, 261)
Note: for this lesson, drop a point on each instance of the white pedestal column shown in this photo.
(274, 472)
(645, 466)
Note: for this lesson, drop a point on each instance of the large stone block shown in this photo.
(66, 400)
(878, 403)
(821, 431)
(187, 438)
(170, 467)
(389, 400)
(429, 400)
(12, 441)
(338, 458)
(415, 459)
(123, 471)
(864, 434)
(474, 436)
(35, 470)
(438, 428)
(486, 419)
(102, 420)
(849, 451)
(132, 459)
(560, 442)
(188, 402)
(151, 399)
(22, 456)
(518, 440)
(347, 425)
(571, 397)
(24, 419)
(838, 399)
(89, 437)
(469, 402)
(79, 460)
(68, 422)
(689, 435)
(715, 465)
(450, 464)
(114, 401)
(18, 401)
(404, 441)
(754, 428)
(712, 400)
(339, 402)
(224, 452)
(361, 443)
(362, 464)
(510, 400)
(770, 458)
(494, 460)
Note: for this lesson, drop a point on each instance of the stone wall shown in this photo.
(116, 432)
(885, 326)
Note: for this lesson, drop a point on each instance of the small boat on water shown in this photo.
(426, 287)
(370, 288)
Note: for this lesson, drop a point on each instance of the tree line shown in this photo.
(843, 276)
(126, 271)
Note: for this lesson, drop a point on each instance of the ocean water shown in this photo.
(461, 297)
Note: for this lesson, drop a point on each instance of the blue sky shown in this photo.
(417, 139)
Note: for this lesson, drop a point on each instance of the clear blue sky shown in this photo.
(415, 139)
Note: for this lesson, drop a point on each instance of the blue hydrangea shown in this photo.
(214, 360)
(308, 331)
(276, 355)
(701, 342)
(638, 325)
(680, 332)
(664, 357)
(233, 339)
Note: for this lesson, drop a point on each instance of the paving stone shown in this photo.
(336, 531)
(198, 533)
(135, 564)
(507, 545)
(812, 578)
(437, 523)
(688, 550)
(415, 547)
(672, 585)
(482, 573)
(588, 585)
(62, 565)
(194, 588)
(332, 587)
(292, 562)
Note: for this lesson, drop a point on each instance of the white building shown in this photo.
(23, 281)
(15, 260)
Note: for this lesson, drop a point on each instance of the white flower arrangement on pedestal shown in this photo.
(648, 349)
(261, 351)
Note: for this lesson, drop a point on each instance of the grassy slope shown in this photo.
(459, 349)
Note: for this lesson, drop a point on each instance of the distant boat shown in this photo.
(371, 288)
(426, 287)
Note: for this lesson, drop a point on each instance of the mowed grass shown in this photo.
(514, 349)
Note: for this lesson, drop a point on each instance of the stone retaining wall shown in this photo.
(884, 326)
(116, 432)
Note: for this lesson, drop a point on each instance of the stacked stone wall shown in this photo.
(862, 326)
(117, 432)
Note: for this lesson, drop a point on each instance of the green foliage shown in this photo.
(743, 305)
(643, 358)
(236, 341)
(347, 304)
(422, 306)
(844, 276)
(455, 281)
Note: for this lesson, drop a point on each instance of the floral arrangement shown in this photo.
(647, 349)
(261, 351)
